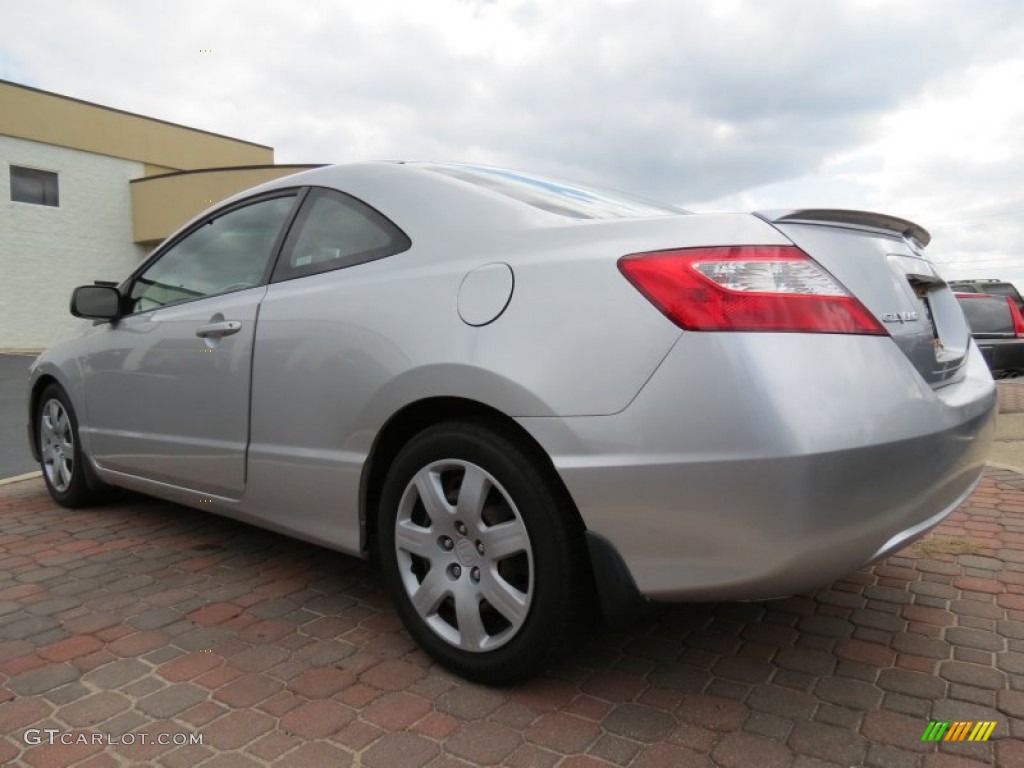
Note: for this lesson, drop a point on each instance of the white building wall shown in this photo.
(45, 251)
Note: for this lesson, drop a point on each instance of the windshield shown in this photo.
(564, 198)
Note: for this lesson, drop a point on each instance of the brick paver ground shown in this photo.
(145, 617)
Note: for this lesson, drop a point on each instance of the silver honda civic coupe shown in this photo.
(528, 398)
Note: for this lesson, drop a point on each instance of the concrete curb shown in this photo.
(1000, 465)
(19, 478)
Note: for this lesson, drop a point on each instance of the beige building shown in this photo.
(87, 191)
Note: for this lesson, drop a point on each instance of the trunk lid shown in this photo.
(880, 260)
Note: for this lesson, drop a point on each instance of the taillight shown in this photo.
(1018, 319)
(747, 288)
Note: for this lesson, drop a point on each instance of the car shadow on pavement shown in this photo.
(147, 617)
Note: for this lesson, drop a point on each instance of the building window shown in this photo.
(31, 186)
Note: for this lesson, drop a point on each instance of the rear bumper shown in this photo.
(778, 464)
(1003, 355)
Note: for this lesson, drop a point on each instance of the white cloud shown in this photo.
(908, 106)
(951, 159)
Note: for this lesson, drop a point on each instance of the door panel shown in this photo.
(167, 387)
(318, 361)
(166, 404)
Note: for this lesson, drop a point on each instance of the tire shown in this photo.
(487, 566)
(60, 450)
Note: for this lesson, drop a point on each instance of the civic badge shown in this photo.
(899, 317)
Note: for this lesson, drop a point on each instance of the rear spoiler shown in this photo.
(853, 219)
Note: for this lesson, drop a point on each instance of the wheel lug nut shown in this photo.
(480, 547)
(460, 528)
(456, 571)
(447, 544)
(475, 574)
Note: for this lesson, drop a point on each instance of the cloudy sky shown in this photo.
(914, 108)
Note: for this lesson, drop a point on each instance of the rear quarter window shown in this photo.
(334, 231)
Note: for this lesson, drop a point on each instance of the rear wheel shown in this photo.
(60, 450)
(487, 567)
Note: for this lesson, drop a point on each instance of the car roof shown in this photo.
(415, 197)
(419, 193)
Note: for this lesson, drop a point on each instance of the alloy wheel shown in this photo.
(464, 555)
(57, 445)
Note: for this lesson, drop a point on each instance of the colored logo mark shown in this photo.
(959, 730)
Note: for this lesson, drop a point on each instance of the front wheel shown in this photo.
(487, 565)
(60, 450)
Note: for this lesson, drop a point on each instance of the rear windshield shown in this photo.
(996, 289)
(987, 315)
(1003, 289)
(564, 198)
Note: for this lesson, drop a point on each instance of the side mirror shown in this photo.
(96, 302)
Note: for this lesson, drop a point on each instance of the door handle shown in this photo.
(216, 330)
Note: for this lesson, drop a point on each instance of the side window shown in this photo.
(229, 252)
(333, 231)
